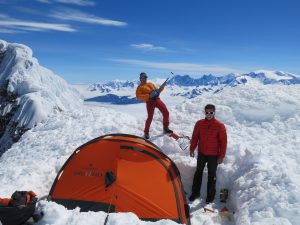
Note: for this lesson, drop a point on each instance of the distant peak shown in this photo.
(271, 72)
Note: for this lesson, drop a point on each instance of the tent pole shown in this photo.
(108, 211)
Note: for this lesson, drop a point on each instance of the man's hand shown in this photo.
(220, 160)
(192, 154)
(151, 95)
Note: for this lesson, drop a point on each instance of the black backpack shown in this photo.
(20, 208)
(19, 198)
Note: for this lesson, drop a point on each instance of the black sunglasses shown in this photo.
(209, 113)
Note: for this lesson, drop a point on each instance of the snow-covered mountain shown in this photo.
(261, 168)
(29, 93)
(260, 111)
(114, 99)
(186, 86)
(263, 76)
(112, 85)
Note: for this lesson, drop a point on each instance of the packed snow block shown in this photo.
(122, 173)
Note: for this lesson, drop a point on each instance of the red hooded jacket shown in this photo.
(211, 137)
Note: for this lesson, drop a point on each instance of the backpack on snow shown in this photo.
(20, 208)
(19, 198)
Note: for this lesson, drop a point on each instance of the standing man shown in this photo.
(149, 93)
(210, 136)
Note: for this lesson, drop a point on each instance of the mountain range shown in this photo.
(123, 92)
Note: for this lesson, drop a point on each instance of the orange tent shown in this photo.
(122, 173)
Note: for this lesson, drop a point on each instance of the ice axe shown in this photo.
(165, 82)
(183, 140)
(162, 86)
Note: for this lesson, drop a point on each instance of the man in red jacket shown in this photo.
(210, 136)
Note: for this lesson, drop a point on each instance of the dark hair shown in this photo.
(210, 106)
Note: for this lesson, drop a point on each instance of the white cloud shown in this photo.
(3, 16)
(29, 10)
(76, 15)
(9, 31)
(15, 24)
(74, 2)
(191, 68)
(148, 47)
(43, 1)
(36, 26)
(78, 2)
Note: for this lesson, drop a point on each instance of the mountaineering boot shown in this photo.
(209, 200)
(167, 130)
(146, 135)
(193, 197)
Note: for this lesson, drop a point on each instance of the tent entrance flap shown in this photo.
(110, 178)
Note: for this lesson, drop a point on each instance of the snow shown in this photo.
(183, 86)
(275, 75)
(261, 168)
(39, 91)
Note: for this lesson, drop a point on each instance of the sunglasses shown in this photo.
(209, 113)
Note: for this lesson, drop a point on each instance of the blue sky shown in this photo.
(86, 41)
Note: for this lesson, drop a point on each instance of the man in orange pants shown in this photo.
(149, 93)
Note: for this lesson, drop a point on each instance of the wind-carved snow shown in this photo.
(29, 92)
(261, 167)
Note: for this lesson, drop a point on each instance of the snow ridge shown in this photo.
(261, 166)
(29, 92)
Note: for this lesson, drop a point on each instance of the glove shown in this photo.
(192, 154)
(153, 95)
(220, 160)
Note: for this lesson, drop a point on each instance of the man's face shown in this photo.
(209, 114)
(143, 79)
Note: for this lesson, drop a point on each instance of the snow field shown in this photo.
(261, 168)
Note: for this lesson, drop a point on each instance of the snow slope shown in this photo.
(29, 93)
(261, 168)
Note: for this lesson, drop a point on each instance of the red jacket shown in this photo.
(211, 137)
(4, 201)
